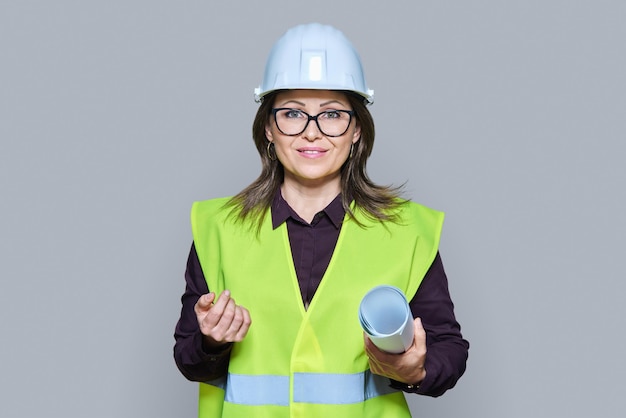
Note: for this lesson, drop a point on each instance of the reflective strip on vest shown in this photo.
(315, 388)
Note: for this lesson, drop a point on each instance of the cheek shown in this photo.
(280, 146)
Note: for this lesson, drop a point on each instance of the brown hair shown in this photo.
(375, 201)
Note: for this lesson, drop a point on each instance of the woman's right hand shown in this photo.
(223, 321)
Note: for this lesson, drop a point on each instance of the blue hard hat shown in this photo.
(314, 56)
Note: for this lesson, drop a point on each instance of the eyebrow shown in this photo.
(321, 104)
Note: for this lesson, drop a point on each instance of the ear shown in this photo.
(268, 133)
(357, 134)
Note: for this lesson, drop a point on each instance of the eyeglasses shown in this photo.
(293, 122)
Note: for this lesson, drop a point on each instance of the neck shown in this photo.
(307, 201)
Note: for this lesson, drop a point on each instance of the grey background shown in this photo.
(116, 115)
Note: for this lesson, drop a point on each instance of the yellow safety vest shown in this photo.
(307, 363)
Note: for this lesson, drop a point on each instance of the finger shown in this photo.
(204, 303)
(214, 314)
(374, 356)
(229, 323)
(376, 353)
(245, 324)
(225, 323)
(237, 321)
(369, 344)
(370, 348)
(222, 300)
(375, 366)
(221, 315)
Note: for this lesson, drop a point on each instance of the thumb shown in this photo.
(418, 323)
(205, 301)
(419, 333)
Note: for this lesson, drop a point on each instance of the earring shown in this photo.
(269, 151)
(351, 149)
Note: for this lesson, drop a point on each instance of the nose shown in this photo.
(312, 131)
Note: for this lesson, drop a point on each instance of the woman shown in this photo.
(300, 247)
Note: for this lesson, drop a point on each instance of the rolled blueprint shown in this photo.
(386, 318)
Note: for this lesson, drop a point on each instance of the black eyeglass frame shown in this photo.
(310, 118)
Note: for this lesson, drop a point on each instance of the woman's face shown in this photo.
(312, 158)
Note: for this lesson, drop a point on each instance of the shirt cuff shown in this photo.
(215, 353)
(404, 387)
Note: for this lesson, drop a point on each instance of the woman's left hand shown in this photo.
(407, 367)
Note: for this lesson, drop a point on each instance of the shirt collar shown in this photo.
(281, 211)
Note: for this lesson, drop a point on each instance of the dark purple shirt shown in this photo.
(312, 246)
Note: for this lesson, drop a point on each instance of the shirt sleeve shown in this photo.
(447, 350)
(193, 360)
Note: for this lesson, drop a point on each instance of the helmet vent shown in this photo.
(315, 68)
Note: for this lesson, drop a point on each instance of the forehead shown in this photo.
(311, 97)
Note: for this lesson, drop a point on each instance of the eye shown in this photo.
(332, 114)
(293, 114)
